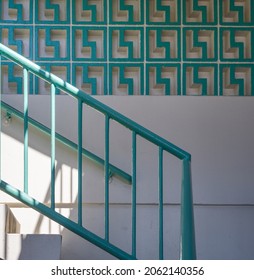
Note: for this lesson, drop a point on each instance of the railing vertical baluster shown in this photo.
(187, 246)
(106, 177)
(134, 194)
(161, 236)
(53, 143)
(25, 92)
(0, 117)
(80, 165)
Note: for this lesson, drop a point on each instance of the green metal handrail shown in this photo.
(187, 246)
(113, 170)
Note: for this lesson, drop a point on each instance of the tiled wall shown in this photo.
(134, 47)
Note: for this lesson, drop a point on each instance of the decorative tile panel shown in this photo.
(200, 44)
(236, 12)
(89, 43)
(236, 44)
(163, 79)
(126, 11)
(200, 12)
(91, 78)
(237, 79)
(19, 12)
(126, 44)
(89, 12)
(163, 12)
(12, 79)
(53, 43)
(52, 11)
(163, 44)
(126, 79)
(18, 39)
(135, 47)
(62, 70)
(200, 79)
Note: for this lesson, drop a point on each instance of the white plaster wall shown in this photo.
(217, 131)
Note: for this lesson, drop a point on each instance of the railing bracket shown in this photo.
(7, 118)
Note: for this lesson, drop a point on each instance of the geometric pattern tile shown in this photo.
(90, 43)
(17, 12)
(163, 79)
(133, 47)
(126, 44)
(90, 78)
(61, 70)
(12, 79)
(198, 12)
(53, 43)
(200, 79)
(126, 12)
(163, 44)
(163, 12)
(200, 44)
(18, 39)
(237, 80)
(236, 12)
(48, 11)
(126, 79)
(90, 12)
(237, 44)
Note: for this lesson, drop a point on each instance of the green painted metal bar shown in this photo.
(106, 178)
(0, 117)
(188, 246)
(25, 91)
(161, 235)
(117, 172)
(80, 165)
(65, 222)
(89, 100)
(53, 144)
(134, 194)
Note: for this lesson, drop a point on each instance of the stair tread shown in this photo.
(33, 246)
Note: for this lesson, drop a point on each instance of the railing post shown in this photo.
(0, 117)
(188, 246)
(134, 193)
(80, 163)
(25, 92)
(160, 183)
(53, 143)
(106, 177)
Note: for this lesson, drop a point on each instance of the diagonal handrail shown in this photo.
(187, 240)
(92, 102)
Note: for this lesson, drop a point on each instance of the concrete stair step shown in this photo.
(33, 246)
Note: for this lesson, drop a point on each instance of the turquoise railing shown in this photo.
(113, 170)
(187, 240)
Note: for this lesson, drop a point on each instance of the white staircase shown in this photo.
(17, 246)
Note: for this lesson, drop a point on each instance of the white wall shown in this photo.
(217, 131)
